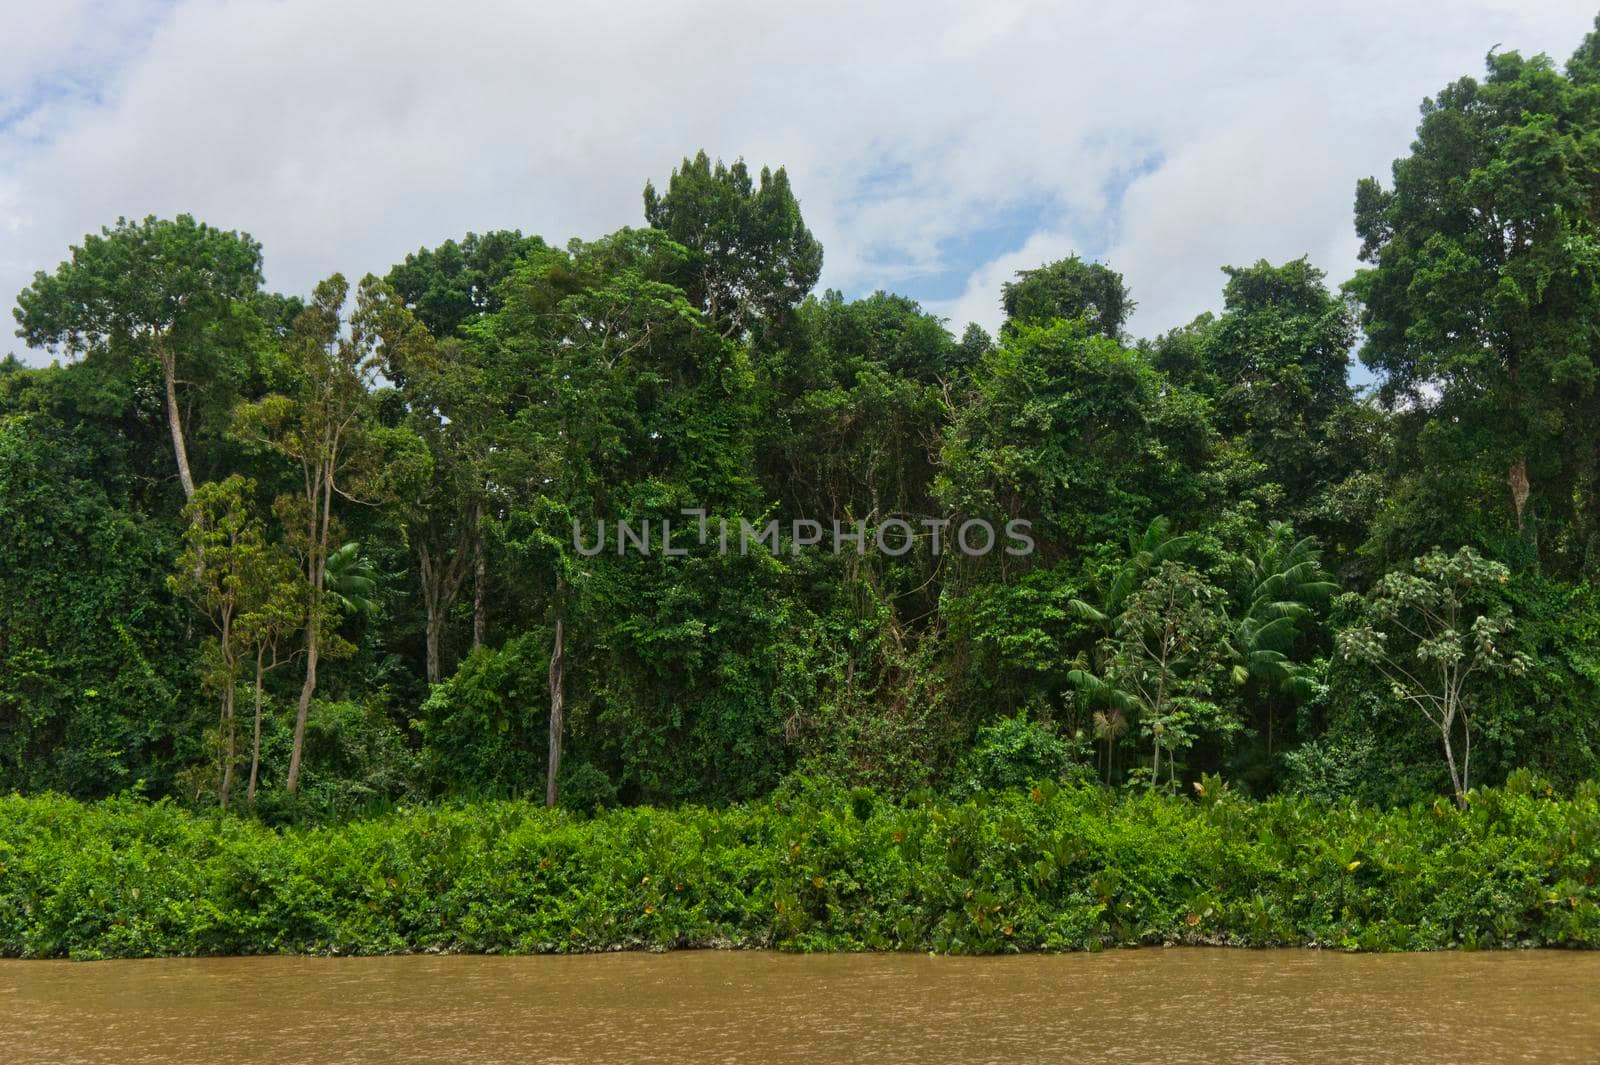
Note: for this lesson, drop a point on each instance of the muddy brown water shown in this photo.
(1128, 1007)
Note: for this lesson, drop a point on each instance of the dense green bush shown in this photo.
(815, 867)
(1013, 753)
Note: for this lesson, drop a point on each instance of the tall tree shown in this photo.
(1484, 286)
(177, 292)
(751, 257)
(328, 427)
(445, 388)
(628, 405)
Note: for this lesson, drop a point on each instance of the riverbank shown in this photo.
(811, 869)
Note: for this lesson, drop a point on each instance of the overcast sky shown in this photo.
(937, 148)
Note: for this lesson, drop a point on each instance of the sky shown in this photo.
(936, 148)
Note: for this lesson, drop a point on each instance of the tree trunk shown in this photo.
(307, 689)
(255, 748)
(434, 637)
(169, 371)
(480, 591)
(1517, 477)
(1450, 760)
(228, 719)
(557, 708)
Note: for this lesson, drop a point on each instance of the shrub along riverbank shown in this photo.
(810, 869)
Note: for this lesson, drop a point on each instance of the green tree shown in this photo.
(751, 257)
(628, 405)
(353, 581)
(1277, 589)
(1479, 305)
(240, 580)
(274, 612)
(1429, 632)
(455, 284)
(328, 428)
(450, 402)
(1162, 663)
(1274, 365)
(1068, 288)
(1077, 434)
(177, 292)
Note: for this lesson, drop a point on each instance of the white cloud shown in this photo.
(345, 135)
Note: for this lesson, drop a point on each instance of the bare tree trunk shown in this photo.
(321, 484)
(307, 689)
(1450, 759)
(255, 748)
(169, 371)
(435, 636)
(442, 573)
(227, 765)
(557, 713)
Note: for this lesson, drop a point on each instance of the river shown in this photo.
(1129, 1007)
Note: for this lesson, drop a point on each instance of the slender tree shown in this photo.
(1430, 632)
(328, 428)
(240, 580)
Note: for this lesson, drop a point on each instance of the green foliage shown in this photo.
(751, 257)
(1015, 752)
(1428, 632)
(814, 868)
(1079, 434)
(1478, 308)
(175, 294)
(450, 286)
(483, 730)
(1162, 663)
(431, 447)
(353, 582)
(1333, 769)
(1069, 288)
(95, 678)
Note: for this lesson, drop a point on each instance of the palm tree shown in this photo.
(1146, 551)
(351, 580)
(1108, 728)
(1278, 588)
